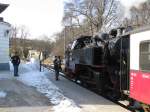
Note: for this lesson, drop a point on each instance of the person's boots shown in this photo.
(56, 78)
(16, 75)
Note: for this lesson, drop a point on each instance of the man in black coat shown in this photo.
(15, 61)
(59, 63)
(56, 67)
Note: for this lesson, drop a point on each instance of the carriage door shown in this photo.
(124, 62)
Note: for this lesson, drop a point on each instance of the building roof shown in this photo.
(3, 7)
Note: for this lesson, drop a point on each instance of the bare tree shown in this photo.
(87, 17)
(23, 34)
(13, 42)
(140, 16)
(98, 13)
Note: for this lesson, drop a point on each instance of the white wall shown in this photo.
(4, 42)
(135, 40)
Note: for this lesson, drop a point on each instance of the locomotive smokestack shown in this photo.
(113, 33)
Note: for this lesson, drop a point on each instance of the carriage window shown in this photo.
(145, 56)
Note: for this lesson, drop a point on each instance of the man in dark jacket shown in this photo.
(15, 61)
(56, 67)
(59, 63)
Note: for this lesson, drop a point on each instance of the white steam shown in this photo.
(130, 3)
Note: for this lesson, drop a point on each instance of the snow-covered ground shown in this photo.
(30, 75)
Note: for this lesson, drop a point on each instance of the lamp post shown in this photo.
(64, 39)
(40, 60)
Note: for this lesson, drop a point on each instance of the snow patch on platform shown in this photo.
(39, 80)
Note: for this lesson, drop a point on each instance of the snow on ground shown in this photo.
(33, 77)
(3, 94)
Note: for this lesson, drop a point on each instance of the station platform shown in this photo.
(15, 96)
(85, 99)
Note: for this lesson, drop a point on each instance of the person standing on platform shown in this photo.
(56, 67)
(59, 63)
(15, 61)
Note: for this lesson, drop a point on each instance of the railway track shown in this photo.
(120, 103)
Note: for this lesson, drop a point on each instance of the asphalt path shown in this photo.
(20, 97)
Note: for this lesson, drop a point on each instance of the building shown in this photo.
(5, 29)
(35, 54)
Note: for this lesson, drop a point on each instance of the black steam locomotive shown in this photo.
(106, 62)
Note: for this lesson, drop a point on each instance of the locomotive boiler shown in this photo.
(114, 64)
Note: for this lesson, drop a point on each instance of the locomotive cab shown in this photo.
(85, 59)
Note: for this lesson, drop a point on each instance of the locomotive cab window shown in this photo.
(145, 56)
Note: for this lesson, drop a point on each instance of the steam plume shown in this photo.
(130, 3)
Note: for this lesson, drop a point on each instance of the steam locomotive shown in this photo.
(114, 64)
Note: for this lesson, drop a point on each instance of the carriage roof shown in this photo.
(137, 30)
